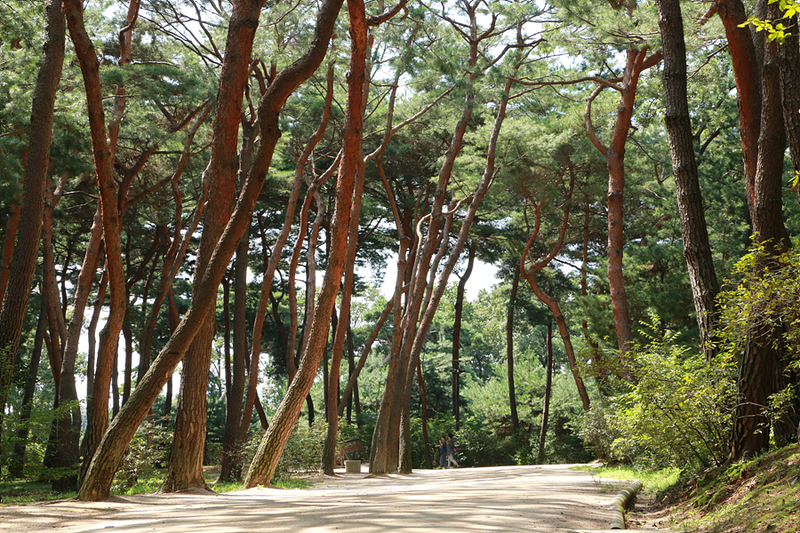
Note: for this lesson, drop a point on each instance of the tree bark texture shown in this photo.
(37, 168)
(97, 415)
(459, 310)
(350, 172)
(761, 362)
(747, 74)
(186, 460)
(616, 191)
(97, 482)
(9, 239)
(696, 248)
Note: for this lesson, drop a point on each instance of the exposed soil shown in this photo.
(494, 499)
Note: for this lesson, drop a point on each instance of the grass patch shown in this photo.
(294, 483)
(25, 490)
(654, 481)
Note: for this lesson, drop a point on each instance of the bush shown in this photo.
(677, 411)
(149, 450)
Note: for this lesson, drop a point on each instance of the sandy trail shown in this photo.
(466, 500)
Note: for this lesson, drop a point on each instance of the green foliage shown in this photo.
(776, 31)
(302, 454)
(766, 295)
(148, 451)
(677, 411)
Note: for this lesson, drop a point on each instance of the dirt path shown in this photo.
(495, 499)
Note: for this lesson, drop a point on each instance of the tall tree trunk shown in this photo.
(423, 407)
(230, 468)
(8, 249)
(97, 482)
(350, 172)
(186, 460)
(272, 264)
(447, 268)
(61, 454)
(746, 72)
(615, 158)
(548, 389)
(696, 249)
(386, 438)
(789, 58)
(512, 394)
(92, 334)
(16, 465)
(37, 169)
(459, 310)
(97, 419)
(760, 365)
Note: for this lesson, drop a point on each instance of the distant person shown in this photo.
(442, 452)
(451, 452)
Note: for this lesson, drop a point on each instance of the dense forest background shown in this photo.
(200, 200)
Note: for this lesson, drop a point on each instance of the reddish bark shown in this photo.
(26, 251)
(266, 284)
(760, 367)
(350, 181)
(529, 273)
(97, 482)
(186, 460)
(8, 249)
(97, 419)
(746, 72)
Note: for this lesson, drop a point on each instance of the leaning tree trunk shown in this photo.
(97, 416)
(552, 304)
(97, 482)
(350, 172)
(26, 251)
(186, 460)
(696, 248)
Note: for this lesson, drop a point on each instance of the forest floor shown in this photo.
(534, 499)
(757, 496)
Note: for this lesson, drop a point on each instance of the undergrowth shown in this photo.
(654, 481)
(760, 495)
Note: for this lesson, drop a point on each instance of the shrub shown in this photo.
(303, 451)
(149, 449)
(678, 408)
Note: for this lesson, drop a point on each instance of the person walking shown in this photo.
(451, 452)
(442, 452)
